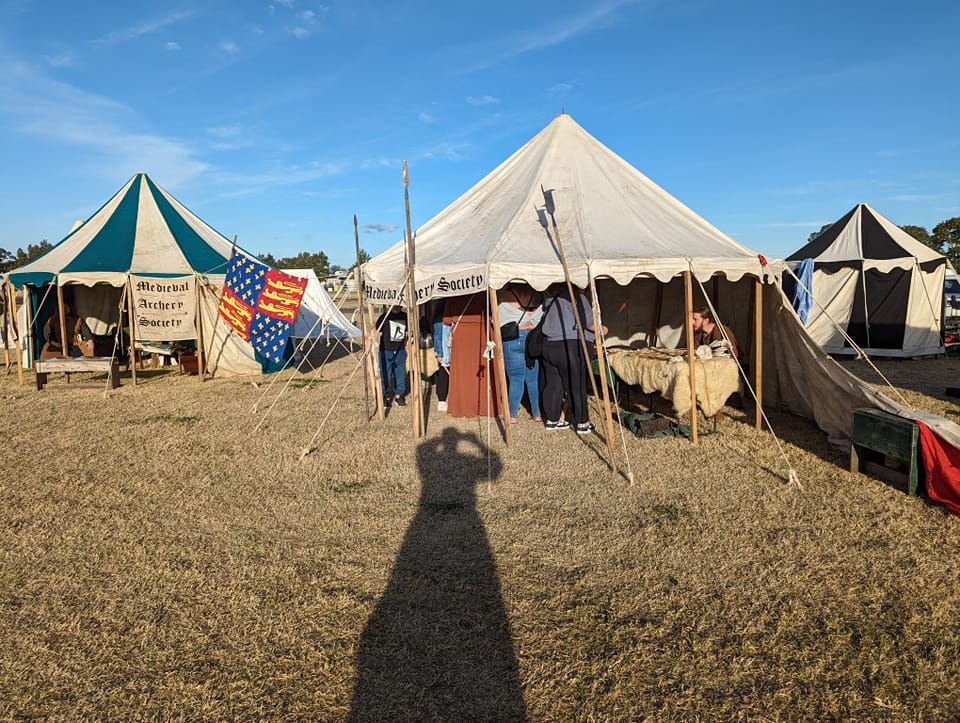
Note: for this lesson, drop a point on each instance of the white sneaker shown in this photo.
(441, 406)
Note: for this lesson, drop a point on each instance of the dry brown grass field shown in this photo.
(160, 559)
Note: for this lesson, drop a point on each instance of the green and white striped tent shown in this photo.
(144, 231)
(141, 230)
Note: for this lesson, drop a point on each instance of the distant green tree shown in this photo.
(823, 228)
(10, 261)
(364, 258)
(923, 236)
(268, 259)
(947, 234)
(304, 260)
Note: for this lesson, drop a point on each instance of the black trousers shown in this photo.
(443, 384)
(564, 374)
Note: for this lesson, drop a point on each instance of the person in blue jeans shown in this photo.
(393, 356)
(520, 311)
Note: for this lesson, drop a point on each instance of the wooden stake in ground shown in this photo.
(758, 350)
(688, 308)
(199, 322)
(132, 322)
(551, 209)
(413, 316)
(602, 363)
(374, 341)
(216, 319)
(363, 323)
(502, 396)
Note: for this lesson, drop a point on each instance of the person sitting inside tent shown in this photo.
(81, 341)
(393, 355)
(706, 331)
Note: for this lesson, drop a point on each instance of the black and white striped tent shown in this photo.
(878, 283)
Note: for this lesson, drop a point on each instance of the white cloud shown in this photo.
(286, 3)
(307, 16)
(271, 9)
(478, 101)
(560, 90)
(63, 60)
(224, 131)
(256, 30)
(446, 150)
(172, 45)
(229, 47)
(117, 140)
(299, 32)
(426, 118)
(120, 36)
(380, 228)
(380, 162)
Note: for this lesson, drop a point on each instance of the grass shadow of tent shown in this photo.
(438, 643)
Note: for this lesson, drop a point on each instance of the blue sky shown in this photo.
(276, 121)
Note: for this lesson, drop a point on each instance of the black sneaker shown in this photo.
(562, 424)
(585, 427)
(401, 401)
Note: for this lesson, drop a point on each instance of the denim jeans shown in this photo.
(514, 359)
(393, 372)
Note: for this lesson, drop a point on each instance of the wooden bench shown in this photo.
(876, 436)
(78, 364)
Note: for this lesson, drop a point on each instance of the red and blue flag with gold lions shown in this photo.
(261, 304)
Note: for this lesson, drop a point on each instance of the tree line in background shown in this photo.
(944, 239)
(11, 260)
(306, 260)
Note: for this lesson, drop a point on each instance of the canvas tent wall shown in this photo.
(882, 286)
(621, 229)
(141, 230)
(319, 317)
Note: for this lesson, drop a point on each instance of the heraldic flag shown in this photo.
(261, 304)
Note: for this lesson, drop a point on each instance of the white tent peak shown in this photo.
(613, 221)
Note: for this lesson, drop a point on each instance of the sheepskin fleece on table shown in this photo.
(717, 379)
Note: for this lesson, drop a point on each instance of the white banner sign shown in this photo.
(432, 287)
(165, 308)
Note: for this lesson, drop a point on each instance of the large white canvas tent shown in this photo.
(878, 284)
(144, 231)
(636, 241)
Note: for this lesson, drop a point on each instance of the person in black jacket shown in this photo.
(393, 355)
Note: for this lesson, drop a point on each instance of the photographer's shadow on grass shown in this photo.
(438, 646)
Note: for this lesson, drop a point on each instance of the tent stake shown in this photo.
(372, 342)
(602, 363)
(413, 316)
(688, 304)
(758, 351)
(363, 322)
(131, 321)
(501, 369)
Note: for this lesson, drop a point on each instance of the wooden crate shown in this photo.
(877, 437)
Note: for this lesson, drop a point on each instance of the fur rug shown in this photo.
(717, 378)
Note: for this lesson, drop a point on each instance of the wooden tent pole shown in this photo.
(216, 319)
(575, 304)
(201, 363)
(64, 341)
(28, 302)
(501, 369)
(688, 305)
(13, 315)
(373, 340)
(602, 363)
(6, 326)
(132, 322)
(758, 351)
(413, 316)
(363, 322)
(657, 311)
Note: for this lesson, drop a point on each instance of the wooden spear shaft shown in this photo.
(548, 202)
(413, 315)
(363, 321)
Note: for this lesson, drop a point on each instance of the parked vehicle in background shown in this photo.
(951, 303)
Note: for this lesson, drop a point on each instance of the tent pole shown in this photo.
(657, 310)
(216, 319)
(575, 304)
(201, 365)
(6, 327)
(64, 341)
(758, 350)
(28, 301)
(688, 305)
(131, 321)
(13, 315)
(602, 362)
(372, 344)
(363, 323)
(501, 369)
(413, 316)
(866, 309)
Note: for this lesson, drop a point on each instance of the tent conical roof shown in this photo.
(864, 236)
(613, 221)
(142, 229)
